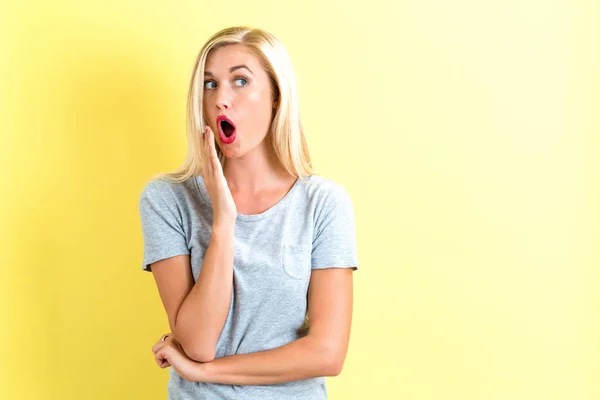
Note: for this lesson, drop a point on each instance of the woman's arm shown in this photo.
(302, 359)
(321, 353)
(203, 313)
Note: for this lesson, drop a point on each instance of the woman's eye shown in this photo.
(242, 80)
(209, 85)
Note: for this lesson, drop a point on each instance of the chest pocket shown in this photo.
(297, 260)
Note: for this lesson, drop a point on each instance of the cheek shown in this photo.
(256, 97)
(210, 114)
(260, 102)
(206, 110)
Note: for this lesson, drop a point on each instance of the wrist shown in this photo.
(202, 372)
(223, 228)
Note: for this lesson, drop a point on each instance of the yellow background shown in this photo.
(466, 133)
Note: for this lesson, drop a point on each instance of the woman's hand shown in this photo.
(224, 209)
(163, 363)
(170, 353)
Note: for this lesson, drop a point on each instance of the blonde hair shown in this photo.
(286, 133)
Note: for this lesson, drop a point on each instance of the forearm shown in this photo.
(203, 313)
(304, 358)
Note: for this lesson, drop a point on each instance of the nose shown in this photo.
(223, 98)
(223, 104)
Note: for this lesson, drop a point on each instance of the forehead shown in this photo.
(221, 59)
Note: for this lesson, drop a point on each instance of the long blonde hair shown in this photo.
(286, 133)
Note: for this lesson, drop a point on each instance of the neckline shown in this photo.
(252, 217)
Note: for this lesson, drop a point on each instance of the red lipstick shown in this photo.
(227, 129)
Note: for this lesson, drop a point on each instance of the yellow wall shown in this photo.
(464, 131)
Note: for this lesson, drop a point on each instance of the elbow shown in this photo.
(332, 360)
(197, 353)
(335, 366)
(200, 355)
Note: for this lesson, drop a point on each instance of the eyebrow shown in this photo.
(235, 67)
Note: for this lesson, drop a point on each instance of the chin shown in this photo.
(236, 150)
(231, 152)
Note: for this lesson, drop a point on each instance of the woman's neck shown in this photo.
(254, 172)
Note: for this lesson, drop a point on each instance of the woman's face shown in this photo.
(238, 88)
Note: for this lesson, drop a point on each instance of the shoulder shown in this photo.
(325, 192)
(169, 192)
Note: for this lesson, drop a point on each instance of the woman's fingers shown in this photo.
(161, 361)
(213, 165)
(213, 150)
(158, 357)
(161, 343)
(207, 152)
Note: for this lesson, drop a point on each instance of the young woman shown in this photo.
(252, 253)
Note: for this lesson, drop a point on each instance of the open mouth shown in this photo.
(227, 130)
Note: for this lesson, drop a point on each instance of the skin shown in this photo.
(251, 182)
(246, 96)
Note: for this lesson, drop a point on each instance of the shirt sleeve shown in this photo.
(334, 243)
(162, 231)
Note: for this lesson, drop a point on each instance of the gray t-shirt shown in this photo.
(312, 227)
